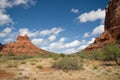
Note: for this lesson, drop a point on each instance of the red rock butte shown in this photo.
(112, 26)
(22, 46)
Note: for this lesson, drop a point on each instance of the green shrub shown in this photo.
(96, 55)
(32, 63)
(112, 53)
(39, 66)
(18, 57)
(10, 54)
(95, 67)
(62, 55)
(14, 64)
(55, 56)
(118, 42)
(23, 62)
(67, 64)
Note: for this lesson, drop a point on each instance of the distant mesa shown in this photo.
(112, 26)
(22, 46)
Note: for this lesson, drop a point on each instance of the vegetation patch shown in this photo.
(67, 63)
(39, 66)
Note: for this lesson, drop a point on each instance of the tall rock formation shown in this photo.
(22, 46)
(112, 26)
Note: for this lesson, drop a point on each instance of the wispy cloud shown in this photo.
(87, 34)
(5, 32)
(74, 10)
(53, 31)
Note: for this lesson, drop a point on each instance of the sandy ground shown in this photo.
(28, 70)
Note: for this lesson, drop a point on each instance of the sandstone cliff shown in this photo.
(22, 46)
(112, 26)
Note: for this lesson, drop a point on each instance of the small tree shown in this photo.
(111, 52)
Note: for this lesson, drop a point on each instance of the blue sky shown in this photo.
(62, 26)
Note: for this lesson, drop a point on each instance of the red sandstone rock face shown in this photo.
(22, 46)
(112, 26)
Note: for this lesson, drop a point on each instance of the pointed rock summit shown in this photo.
(112, 26)
(22, 46)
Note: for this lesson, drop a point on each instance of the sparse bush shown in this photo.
(18, 57)
(3, 60)
(45, 55)
(32, 63)
(96, 55)
(118, 42)
(14, 64)
(23, 62)
(39, 66)
(112, 53)
(62, 55)
(10, 54)
(95, 67)
(55, 56)
(67, 64)
(1, 55)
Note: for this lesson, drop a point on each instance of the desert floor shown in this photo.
(40, 69)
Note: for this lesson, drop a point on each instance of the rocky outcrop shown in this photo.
(112, 26)
(1, 46)
(22, 46)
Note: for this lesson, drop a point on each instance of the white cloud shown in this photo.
(4, 18)
(92, 16)
(91, 41)
(39, 41)
(52, 38)
(5, 32)
(61, 45)
(5, 4)
(70, 51)
(74, 10)
(98, 30)
(72, 44)
(8, 40)
(87, 34)
(10, 3)
(24, 31)
(82, 47)
(53, 31)
(62, 40)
